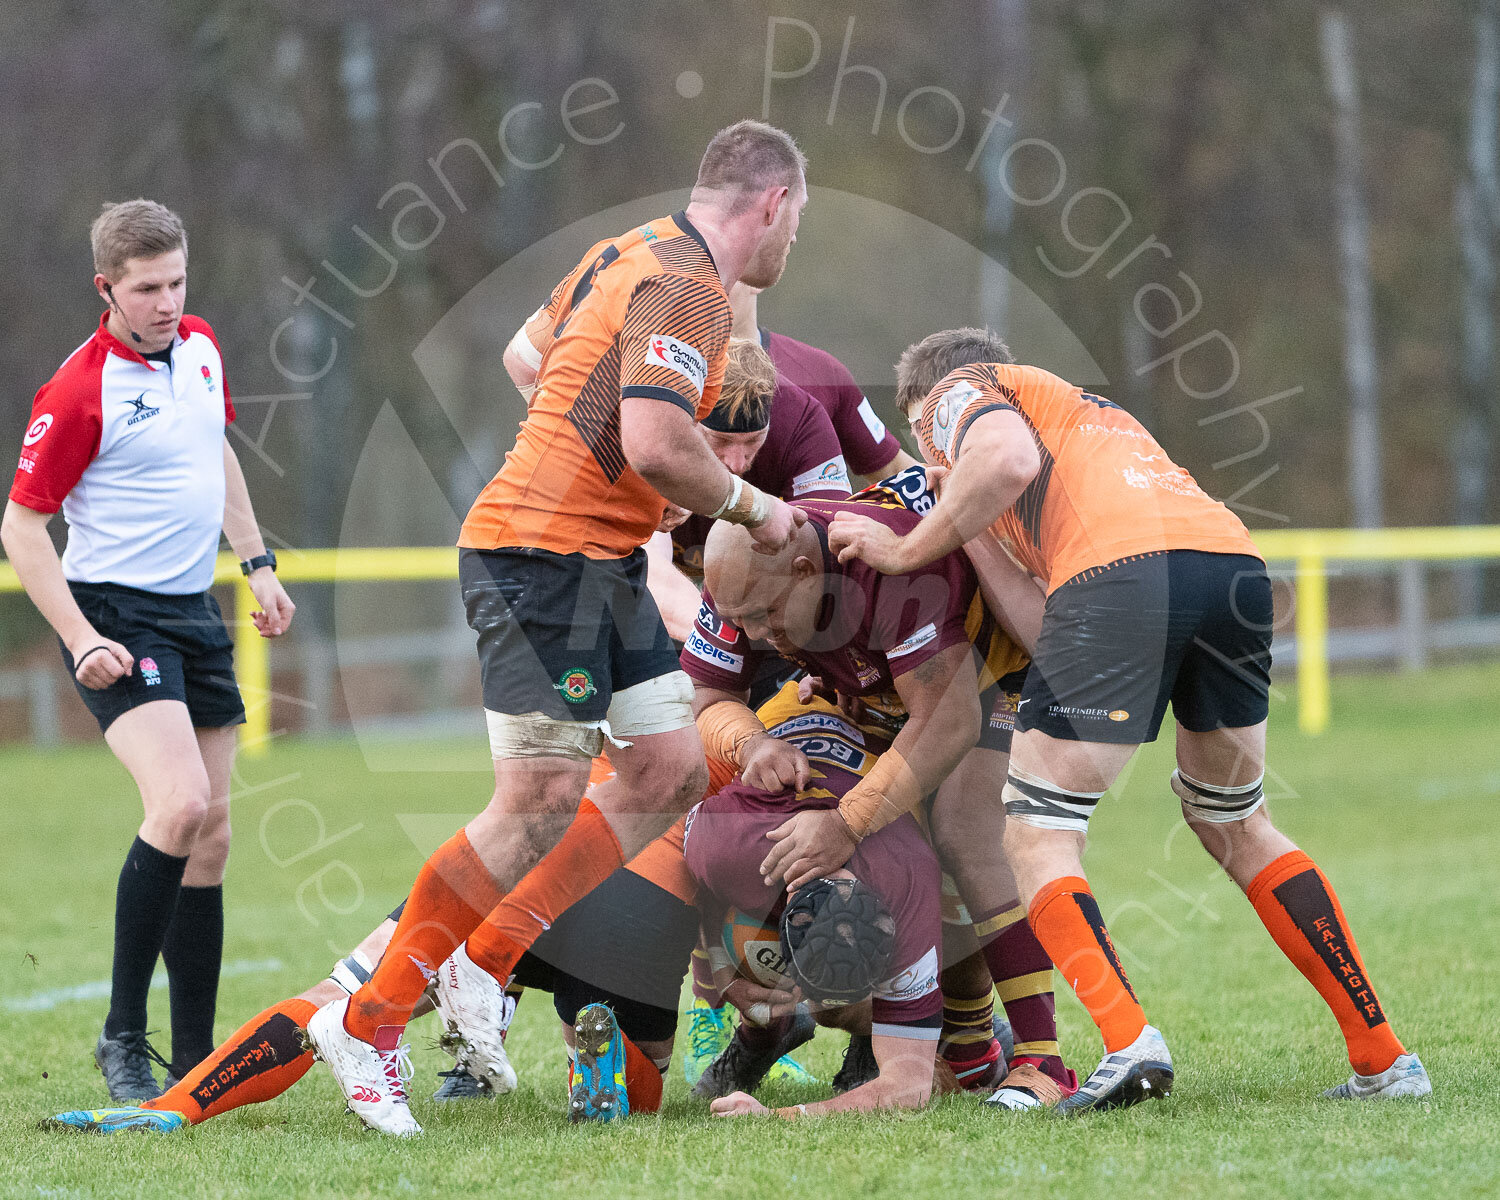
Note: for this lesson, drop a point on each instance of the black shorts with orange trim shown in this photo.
(1122, 641)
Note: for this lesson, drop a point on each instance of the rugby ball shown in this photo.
(755, 949)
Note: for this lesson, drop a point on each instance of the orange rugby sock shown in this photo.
(452, 893)
(643, 1080)
(1299, 908)
(584, 857)
(1066, 919)
(261, 1059)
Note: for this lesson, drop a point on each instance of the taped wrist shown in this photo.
(726, 727)
(523, 347)
(745, 505)
(888, 791)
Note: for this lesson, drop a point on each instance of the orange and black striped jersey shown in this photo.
(642, 315)
(1106, 490)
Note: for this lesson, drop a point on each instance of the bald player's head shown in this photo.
(767, 595)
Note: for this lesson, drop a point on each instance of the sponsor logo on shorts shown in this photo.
(576, 685)
(824, 477)
(1003, 715)
(1076, 712)
(914, 982)
(150, 672)
(37, 430)
(664, 351)
(873, 423)
(701, 647)
(716, 625)
(917, 640)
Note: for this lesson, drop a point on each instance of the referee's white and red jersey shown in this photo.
(132, 452)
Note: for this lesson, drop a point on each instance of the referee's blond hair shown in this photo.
(134, 229)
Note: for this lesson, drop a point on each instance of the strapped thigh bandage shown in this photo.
(1219, 805)
(1036, 802)
(536, 735)
(659, 705)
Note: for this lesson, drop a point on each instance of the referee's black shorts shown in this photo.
(181, 648)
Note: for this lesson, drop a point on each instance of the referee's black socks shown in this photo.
(145, 901)
(192, 951)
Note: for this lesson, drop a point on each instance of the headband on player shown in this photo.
(747, 419)
(838, 938)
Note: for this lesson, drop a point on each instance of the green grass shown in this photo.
(1398, 804)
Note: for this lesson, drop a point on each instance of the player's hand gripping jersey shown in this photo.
(1106, 490)
(643, 315)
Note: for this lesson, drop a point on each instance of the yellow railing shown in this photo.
(1309, 550)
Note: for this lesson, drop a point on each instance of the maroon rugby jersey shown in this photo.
(800, 460)
(875, 626)
(726, 841)
(868, 445)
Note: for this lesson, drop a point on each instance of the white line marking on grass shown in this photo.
(99, 988)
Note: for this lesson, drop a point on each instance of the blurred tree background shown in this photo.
(290, 137)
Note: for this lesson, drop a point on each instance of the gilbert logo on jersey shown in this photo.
(663, 351)
(142, 410)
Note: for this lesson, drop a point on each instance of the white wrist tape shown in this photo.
(730, 500)
(523, 347)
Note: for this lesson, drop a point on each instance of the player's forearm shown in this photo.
(905, 1082)
(36, 564)
(1010, 592)
(671, 455)
(676, 597)
(240, 527)
(973, 497)
(728, 728)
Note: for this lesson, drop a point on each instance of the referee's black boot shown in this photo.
(126, 1062)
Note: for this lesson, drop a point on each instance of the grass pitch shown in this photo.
(1398, 804)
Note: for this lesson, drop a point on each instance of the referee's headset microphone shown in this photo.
(110, 292)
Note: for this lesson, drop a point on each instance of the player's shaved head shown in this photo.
(733, 565)
(772, 596)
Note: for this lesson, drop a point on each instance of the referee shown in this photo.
(128, 439)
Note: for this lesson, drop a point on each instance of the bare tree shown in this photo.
(1477, 213)
(1353, 231)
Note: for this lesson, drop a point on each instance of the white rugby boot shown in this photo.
(1406, 1078)
(476, 1012)
(1141, 1071)
(372, 1078)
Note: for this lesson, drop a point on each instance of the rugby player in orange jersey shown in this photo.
(572, 650)
(1155, 593)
